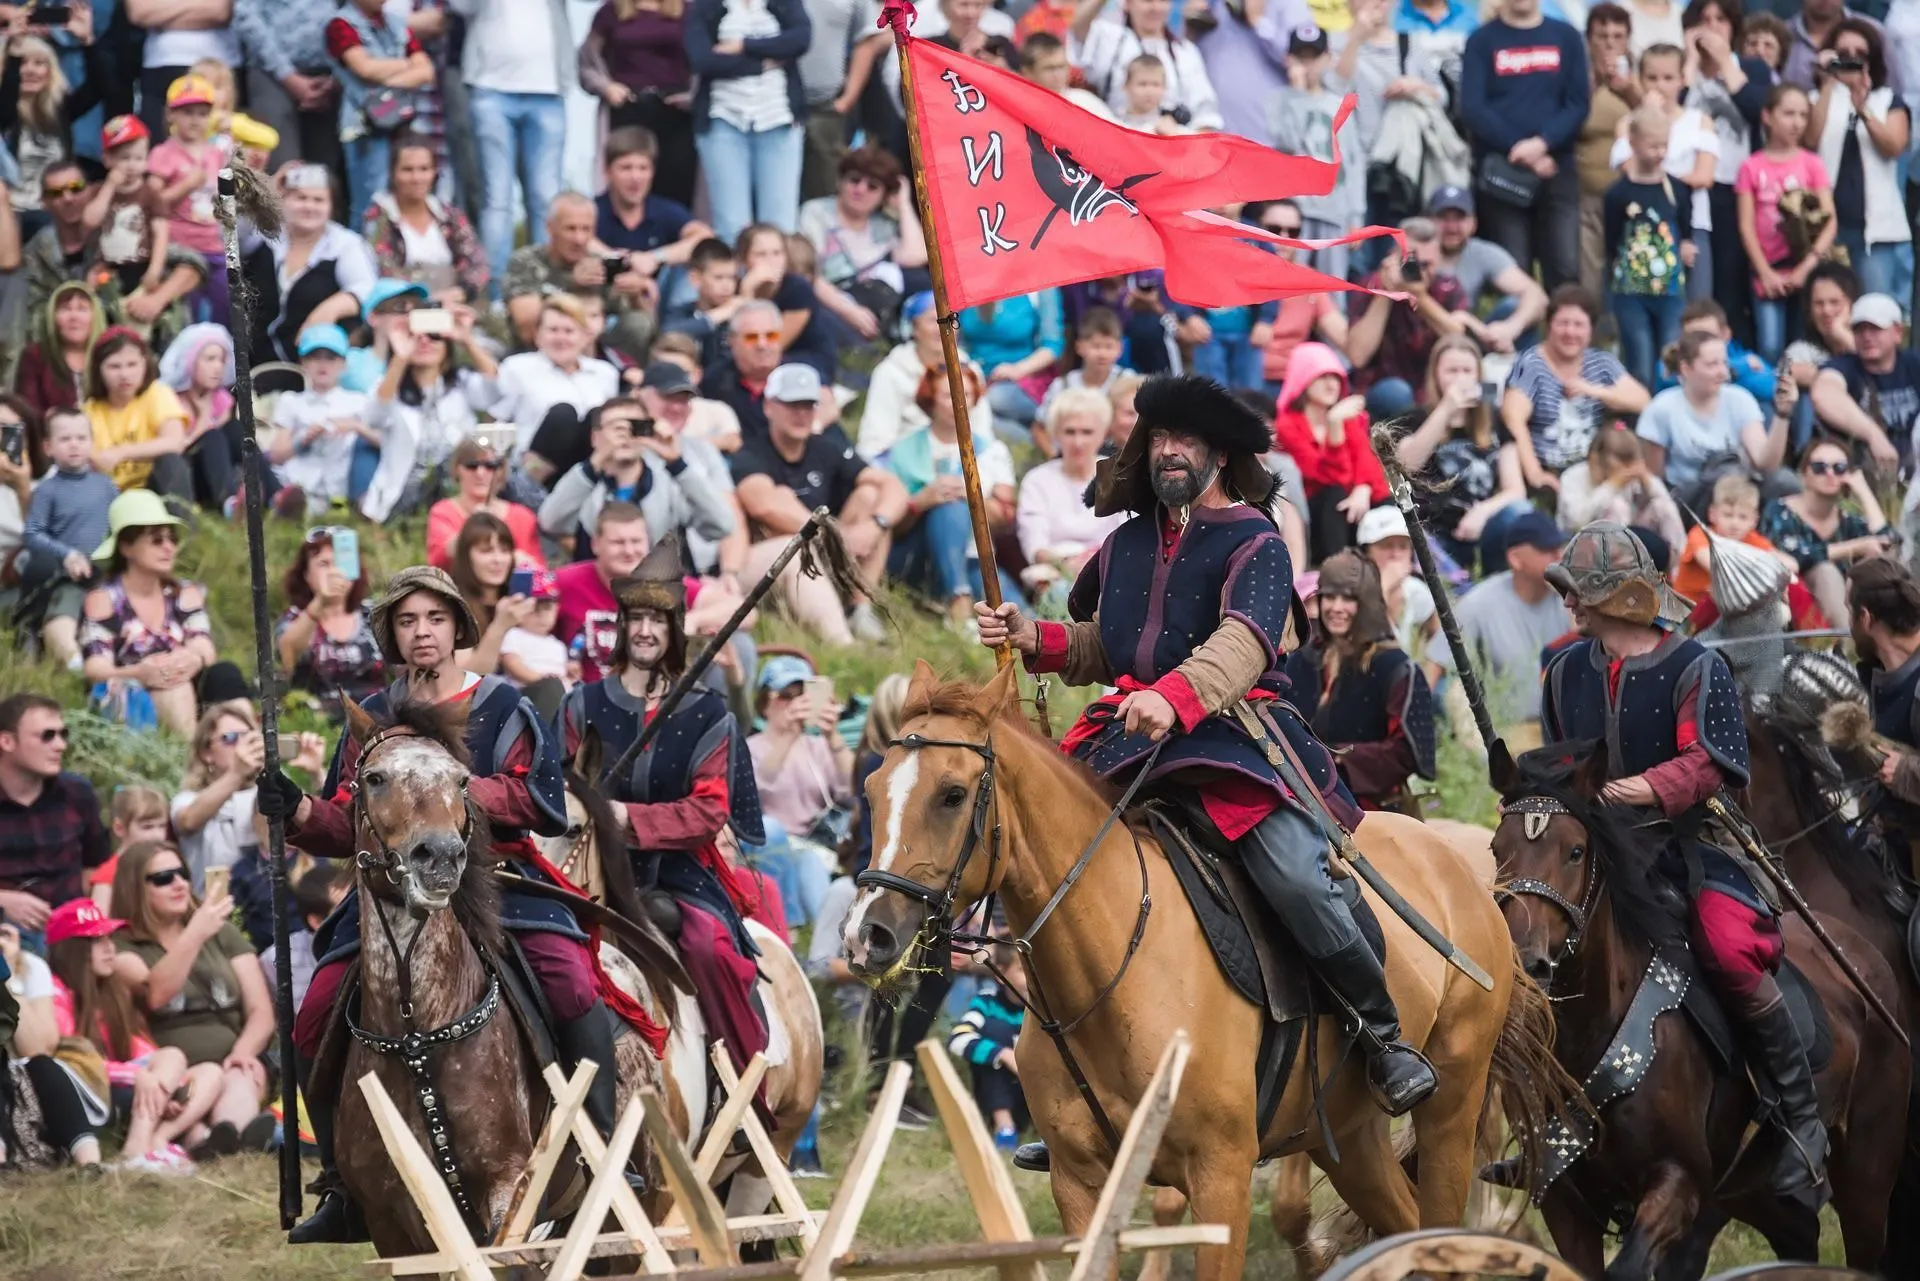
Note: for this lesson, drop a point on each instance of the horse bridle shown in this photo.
(1536, 811)
(413, 1048)
(940, 905)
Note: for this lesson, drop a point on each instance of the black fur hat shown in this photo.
(1200, 407)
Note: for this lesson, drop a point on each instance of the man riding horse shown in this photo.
(1668, 711)
(515, 781)
(682, 790)
(1184, 610)
(1369, 701)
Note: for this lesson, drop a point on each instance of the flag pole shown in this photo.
(897, 15)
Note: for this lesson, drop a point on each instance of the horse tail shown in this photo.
(1526, 1083)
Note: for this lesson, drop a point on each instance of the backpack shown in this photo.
(1391, 195)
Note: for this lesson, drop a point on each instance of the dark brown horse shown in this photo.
(1589, 912)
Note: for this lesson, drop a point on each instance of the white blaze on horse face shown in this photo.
(900, 785)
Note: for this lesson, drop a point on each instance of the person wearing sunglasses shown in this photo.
(145, 629)
(1822, 537)
(50, 825)
(478, 474)
(867, 236)
(754, 338)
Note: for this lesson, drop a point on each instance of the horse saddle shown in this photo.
(1253, 950)
(1716, 1029)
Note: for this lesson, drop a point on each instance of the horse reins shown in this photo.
(414, 1047)
(1578, 914)
(940, 907)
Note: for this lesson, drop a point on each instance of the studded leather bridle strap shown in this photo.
(1536, 812)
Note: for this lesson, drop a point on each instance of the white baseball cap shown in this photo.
(794, 384)
(1382, 522)
(1877, 310)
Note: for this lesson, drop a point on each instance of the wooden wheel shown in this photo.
(1450, 1250)
(1778, 1271)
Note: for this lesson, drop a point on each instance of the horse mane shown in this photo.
(960, 698)
(1644, 907)
(443, 723)
(1805, 775)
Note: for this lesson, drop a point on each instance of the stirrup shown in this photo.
(1398, 1076)
(335, 1221)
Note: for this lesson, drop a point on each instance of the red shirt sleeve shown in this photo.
(693, 822)
(443, 526)
(1693, 775)
(526, 534)
(341, 37)
(1363, 465)
(413, 44)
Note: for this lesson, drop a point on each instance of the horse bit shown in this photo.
(940, 907)
(413, 1048)
(1536, 812)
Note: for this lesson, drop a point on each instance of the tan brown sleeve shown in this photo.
(1086, 659)
(1225, 666)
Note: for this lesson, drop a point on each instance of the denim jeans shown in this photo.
(1013, 412)
(1772, 320)
(366, 173)
(798, 872)
(1389, 398)
(1888, 269)
(1647, 323)
(1700, 275)
(520, 135)
(761, 173)
(932, 557)
(1234, 362)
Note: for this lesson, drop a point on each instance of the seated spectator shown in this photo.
(530, 653)
(377, 66)
(1509, 617)
(139, 814)
(753, 345)
(782, 476)
(38, 106)
(195, 977)
(1058, 531)
(1471, 475)
(315, 430)
(1098, 343)
(51, 1106)
(1733, 513)
(1860, 128)
(648, 470)
(1018, 341)
(891, 410)
(1390, 343)
(1103, 48)
(419, 237)
(53, 367)
(770, 273)
(802, 766)
(1880, 372)
(573, 261)
(1693, 433)
(867, 236)
(1823, 538)
(1750, 373)
(214, 810)
(482, 564)
(316, 893)
(50, 828)
(1120, 396)
(139, 425)
(714, 274)
(1616, 483)
(198, 365)
(144, 628)
(16, 479)
(984, 1039)
(708, 420)
(1828, 332)
(1303, 316)
(1485, 271)
(155, 1094)
(933, 544)
(1559, 392)
(546, 393)
(1385, 540)
(1324, 430)
(424, 407)
(65, 521)
(477, 473)
(325, 639)
(589, 616)
(325, 272)
(667, 396)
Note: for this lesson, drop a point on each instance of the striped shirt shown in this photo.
(1562, 428)
(990, 1025)
(756, 103)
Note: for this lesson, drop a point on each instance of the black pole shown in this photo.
(253, 467)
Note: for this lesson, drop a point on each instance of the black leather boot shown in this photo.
(336, 1220)
(1398, 1075)
(590, 1037)
(1034, 1157)
(1801, 1172)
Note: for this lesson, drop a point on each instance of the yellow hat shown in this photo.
(190, 91)
(248, 132)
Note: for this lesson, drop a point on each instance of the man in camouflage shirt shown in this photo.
(574, 261)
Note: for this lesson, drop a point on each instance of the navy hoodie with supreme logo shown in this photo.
(1522, 82)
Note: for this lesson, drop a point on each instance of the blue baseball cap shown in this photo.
(783, 670)
(387, 289)
(1450, 200)
(328, 338)
(1535, 529)
(917, 306)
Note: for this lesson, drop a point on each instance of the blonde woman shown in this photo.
(635, 60)
(1475, 476)
(38, 108)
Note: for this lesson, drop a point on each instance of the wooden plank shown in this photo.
(422, 1180)
(1002, 1217)
(627, 1210)
(726, 1122)
(786, 1194)
(750, 1227)
(856, 1185)
(1131, 1163)
(704, 1216)
(575, 1250)
(531, 1189)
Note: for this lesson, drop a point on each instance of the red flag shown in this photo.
(1029, 191)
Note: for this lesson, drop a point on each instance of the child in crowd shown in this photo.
(226, 101)
(1766, 37)
(181, 174)
(1649, 244)
(312, 448)
(1097, 346)
(254, 142)
(139, 814)
(714, 273)
(531, 652)
(66, 520)
(1693, 148)
(316, 892)
(1735, 514)
(984, 1040)
(1748, 371)
(1229, 343)
(133, 231)
(1300, 120)
(1146, 99)
(1767, 178)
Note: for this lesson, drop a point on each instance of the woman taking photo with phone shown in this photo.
(324, 638)
(427, 403)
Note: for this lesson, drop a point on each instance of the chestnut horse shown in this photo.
(963, 747)
(1589, 913)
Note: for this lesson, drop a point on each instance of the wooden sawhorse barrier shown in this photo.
(698, 1231)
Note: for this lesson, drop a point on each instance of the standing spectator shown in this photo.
(325, 272)
(1649, 248)
(1693, 433)
(198, 365)
(891, 412)
(53, 369)
(325, 640)
(1484, 271)
(378, 67)
(1822, 537)
(1390, 343)
(1300, 120)
(1693, 149)
(1043, 60)
(1524, 93)
(1104, 49)
(477, 475)
(416, 236)
(1615, 483)
(38, 108)
(1018, 341)
(289, 80)
(213, 812)
(834, 72)
(1729, 90)
(181, 175)
(1059, 532)
(1861, 129)
(144, 627)
(139, 426)
(423, 408)
(1828, 332)
(1510, 617)
(1473, 474)
(66, 520)
(1379, 69)
(749, 108)
(1558, 392)
(1812, 31)
(50, 828)
(1324, 430)
(1766, 179)
(1615, 94)
(518, 66)
(547, 392)
(634, 59)
(1872, 393)
(179, 33)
